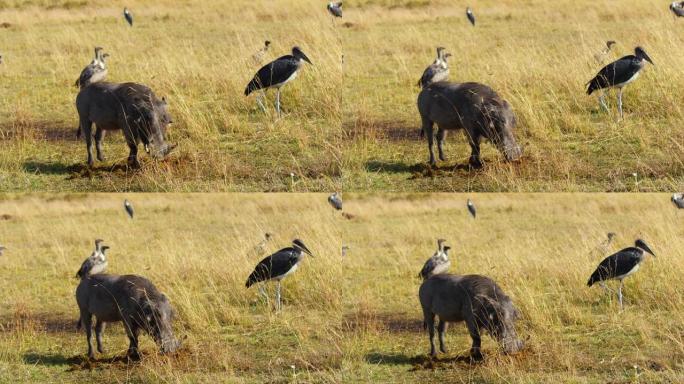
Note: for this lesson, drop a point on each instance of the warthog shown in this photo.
(130, 107)
(470, 106)
(475, 299)
(135, 301)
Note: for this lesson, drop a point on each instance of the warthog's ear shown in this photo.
(164, 100)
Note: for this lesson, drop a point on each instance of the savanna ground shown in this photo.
(536, 54)
(198, 249)
(198, 54)
(346, 319)
(541, 249)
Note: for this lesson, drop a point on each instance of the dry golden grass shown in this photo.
(541, 249)
(196, 249)
(198, 55)
(538, 55)
(352, 319)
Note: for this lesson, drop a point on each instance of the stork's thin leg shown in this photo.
(602, 101)
(278, 101)
(278, 304)
(605, 287)
(259, 98)
(620, 101)
(620, 295)
(263, 293)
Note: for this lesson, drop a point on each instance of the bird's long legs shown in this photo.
(259, 99)
(262, 291)
(278, 101)
(602, 101)
(605, 287)
(620, 101)
(620, 295)
(278, 304)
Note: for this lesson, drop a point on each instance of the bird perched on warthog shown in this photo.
(471, 106)
(94, 72)
(96, 262)
(131, 299)
(130, 107)
(475, 299)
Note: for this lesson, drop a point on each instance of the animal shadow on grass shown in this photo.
(75, 171)
(417, 171)
(76, 363)
(418, 362)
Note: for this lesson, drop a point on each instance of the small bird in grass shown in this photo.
(678, 200)
(259, 55)
(129, 208)
(96, 262)
(603, 54)
(471, 208)
(335, 201)
(335, 9)
(276, 74)
(345, 249)
(438, 262)
(278, 266)
(260, 248)
(617, 75)
(620, 265)
(677, 9)
(470, 16)
(128, 16)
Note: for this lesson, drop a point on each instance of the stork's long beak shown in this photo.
(309, 61)
(306, 250)
(648, 58)
(647, 249)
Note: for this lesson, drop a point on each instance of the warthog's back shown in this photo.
(447, 104)
(451, 296)
(108, 296)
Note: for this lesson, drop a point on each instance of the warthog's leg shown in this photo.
(99, 328)
(87, 321)
(133, 332)
(99, 135)
(441, 134)
(474, 141)
(441, 328)
(133, 154)
(428, 127)
(475, 352)
(86, 128)
(429, 319)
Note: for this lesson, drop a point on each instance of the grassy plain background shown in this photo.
(538, 55)
(351, 319)
(198, 55)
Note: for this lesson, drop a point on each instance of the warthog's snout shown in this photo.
(170, 346)
(512, 152)
(513, 345)
(163, 150)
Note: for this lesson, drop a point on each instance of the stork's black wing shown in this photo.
(273, 266)
(428, 74)
(273, 73)
(614, 73)
(615, 265)
(86, 75)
